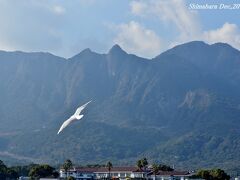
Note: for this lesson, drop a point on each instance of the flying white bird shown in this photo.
(75, 116)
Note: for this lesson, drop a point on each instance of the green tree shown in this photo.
(213, 174)
(55, 174)
(70, 178)
(139, 164)
(67, 166)
(219, 174)
(142, 163)
(3, 170)
(23, 170)
(7, 173)
(204, 174)
(109, 166)
(155, 169)
(164, 167)
(41, 171)
(12, 174)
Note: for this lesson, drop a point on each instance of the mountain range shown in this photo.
(181, 107)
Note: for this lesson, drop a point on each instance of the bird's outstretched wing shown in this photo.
(79, 110)
(66, 123)
(75, 116)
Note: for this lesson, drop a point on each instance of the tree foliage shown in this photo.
(213, 174)
(23, 170)
(42, 171)
(139, 164)
(160, 167)
(142, 163)
(70, 178)
(67, 165)
(155, 168)
(7, 173)
(164, 167)
(109, 165)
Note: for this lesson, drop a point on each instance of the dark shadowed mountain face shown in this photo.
(182, 107)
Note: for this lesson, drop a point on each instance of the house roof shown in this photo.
(171, 173)
(105, 169)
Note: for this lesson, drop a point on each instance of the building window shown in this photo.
(122, 174)
(115, 174)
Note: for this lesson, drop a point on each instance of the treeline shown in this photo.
(6, 172)
(212, 174)
(34, 171)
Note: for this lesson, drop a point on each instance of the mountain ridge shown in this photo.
(118, 48)
(159, 108)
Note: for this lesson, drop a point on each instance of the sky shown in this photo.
(142, 27)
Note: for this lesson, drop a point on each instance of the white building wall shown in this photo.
(99, 175)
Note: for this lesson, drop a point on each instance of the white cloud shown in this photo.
(59, 10)
(186, 22)
(136, 39)
(138, 7)
(50, 6)
(228, 33)
(169, 11)
(29, 26)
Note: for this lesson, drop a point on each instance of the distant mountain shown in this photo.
(181, 107)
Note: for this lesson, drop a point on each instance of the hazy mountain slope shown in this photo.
(28, 89)
(182, 107)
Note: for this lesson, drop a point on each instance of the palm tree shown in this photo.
(145, 163)
(109, 166)
(139, 164)
(155, 169)
(142, 163)
(67, 166)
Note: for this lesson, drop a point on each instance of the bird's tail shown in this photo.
(79, 117)
(59, 132)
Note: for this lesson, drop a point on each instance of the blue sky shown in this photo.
(143, 27)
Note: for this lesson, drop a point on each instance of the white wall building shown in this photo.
(102, 172)
(123, 173)
(170, 175)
